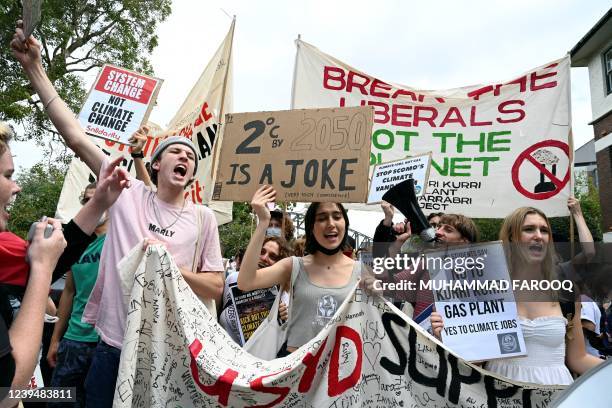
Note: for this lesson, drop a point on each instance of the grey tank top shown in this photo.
(312, 305)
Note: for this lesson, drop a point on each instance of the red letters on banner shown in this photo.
(336, 386)
(222, 386)
(510, 111)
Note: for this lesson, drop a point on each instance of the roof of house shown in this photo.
(592, 41)
(585, 154)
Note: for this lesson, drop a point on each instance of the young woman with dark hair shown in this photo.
(323, 278)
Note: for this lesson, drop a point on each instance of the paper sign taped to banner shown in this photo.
(387, 175)
(119, 102)
(305, 154)
(471, 287)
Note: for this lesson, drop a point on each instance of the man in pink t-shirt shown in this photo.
(138, 216)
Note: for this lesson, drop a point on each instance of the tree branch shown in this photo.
(85, 58)
(84, 69)
(46, 54)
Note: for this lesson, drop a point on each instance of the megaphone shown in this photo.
(403, 197)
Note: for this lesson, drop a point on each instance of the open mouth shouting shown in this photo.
(4, 212)
(331, 237)
(536, 249)
(180, 170)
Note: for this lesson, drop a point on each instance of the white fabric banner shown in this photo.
(369, 355)
(495, 146)
(196, 119)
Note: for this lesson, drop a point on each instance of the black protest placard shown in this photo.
(252, 308)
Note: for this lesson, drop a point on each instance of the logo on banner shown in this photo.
(545, 156)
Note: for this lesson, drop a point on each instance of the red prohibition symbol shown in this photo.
(525, 157)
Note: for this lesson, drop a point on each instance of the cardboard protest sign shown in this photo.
(505, 139)
(119, 102)
(252, 308)
(307, 155)
(471, 286)
(30, 15)
(196, 119)
(369, 355)
(387, 175)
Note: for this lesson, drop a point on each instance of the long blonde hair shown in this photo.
(510, 233)
(6, 134)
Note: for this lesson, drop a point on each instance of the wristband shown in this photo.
(138, 155)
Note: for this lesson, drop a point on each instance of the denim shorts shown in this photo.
(73, 361)
(102, 376)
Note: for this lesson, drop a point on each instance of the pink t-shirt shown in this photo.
(139, 214)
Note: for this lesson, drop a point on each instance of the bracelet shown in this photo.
(46, 105)
(139, 155)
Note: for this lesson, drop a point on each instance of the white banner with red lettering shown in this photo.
(495, 146)
(197, 119)
(369, 355)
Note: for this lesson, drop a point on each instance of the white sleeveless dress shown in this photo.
(545, 360)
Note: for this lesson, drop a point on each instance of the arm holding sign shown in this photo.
(584, 234)
(27, 52)
(437, 324)
(138, 140)
(250, 277)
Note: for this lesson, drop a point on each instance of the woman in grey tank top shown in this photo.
(323, 278)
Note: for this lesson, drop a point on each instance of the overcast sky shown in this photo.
(428, 45)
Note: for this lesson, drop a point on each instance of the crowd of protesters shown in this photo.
(312, 273)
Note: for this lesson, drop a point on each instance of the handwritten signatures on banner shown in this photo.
(369, 355)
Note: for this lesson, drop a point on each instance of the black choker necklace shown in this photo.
(332, 251)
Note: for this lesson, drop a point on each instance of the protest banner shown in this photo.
(506, 139)
(386, 175)
(307, 155)
(473, 293)
(118, 103)
(196, 119)
(252, 308)
(369, 355)
(30, 16)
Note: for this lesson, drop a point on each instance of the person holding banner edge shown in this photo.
(164, 216)
(324, 278)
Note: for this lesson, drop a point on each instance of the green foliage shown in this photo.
(76, 36)
(589, 202)
(41, 186)
(488, 228)
(235, 235)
